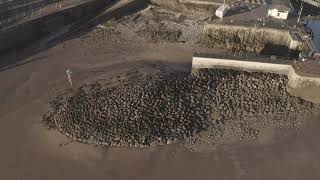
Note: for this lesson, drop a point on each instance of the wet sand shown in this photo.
(30, 152)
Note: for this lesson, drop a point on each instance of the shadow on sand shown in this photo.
(14, 56)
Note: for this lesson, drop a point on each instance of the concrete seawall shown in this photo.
(203, 62)
(28, 32)
(306, 87)
(120, 9)
(81, 17)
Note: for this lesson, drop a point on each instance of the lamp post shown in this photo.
(224, 2)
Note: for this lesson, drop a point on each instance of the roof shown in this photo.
(223, 7)
(295, 36)
(280, 5)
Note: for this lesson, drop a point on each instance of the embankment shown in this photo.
(26, 33)
(120, 9)
(12, 11)
(306, 87)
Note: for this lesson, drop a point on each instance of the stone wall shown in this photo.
(274, 36)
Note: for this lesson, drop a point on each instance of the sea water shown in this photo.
(315, 26)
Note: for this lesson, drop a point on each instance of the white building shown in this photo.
(222, 10)
(279, 9)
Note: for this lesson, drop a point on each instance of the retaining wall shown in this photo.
(15, 10)
(124, 7)
(25, 33)
(298, 85)
(276, 36)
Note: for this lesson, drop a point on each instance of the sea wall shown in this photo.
(12, 11)
(302, 86)
(123, 9)
(252, 66)
(24, 34)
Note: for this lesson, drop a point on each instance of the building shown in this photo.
(279, 9)
(296, 41)
(278, 12)
(222, 10)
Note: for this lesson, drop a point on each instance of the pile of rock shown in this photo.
(158, 34)
(247, 102)
(154, 109)
(102, 35)
(169, 107)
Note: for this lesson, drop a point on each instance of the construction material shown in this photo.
(170, 108)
